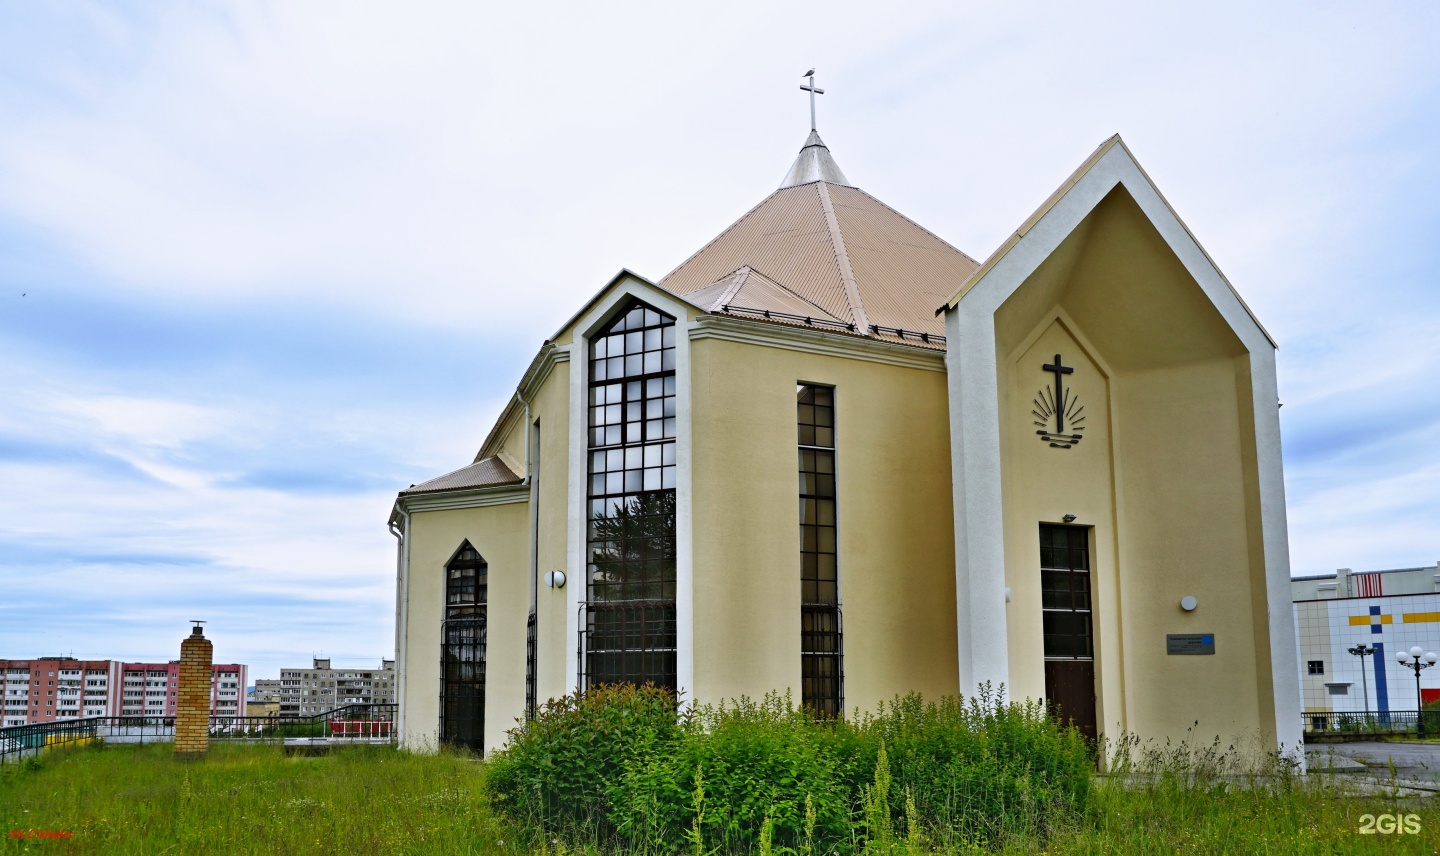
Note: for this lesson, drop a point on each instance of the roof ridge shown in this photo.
(738, 278)
(728, 230)
(902, 216)
(788, 290)
(842, 258)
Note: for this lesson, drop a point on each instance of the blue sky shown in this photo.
(262, 265)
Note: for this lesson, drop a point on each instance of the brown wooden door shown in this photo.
(1069, 632)
(1070, 691)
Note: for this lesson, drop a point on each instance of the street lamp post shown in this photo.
(1417, 658)
(1362, 651)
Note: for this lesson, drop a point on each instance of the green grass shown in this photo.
(1301, 815)
(247, 799)
(255, 799)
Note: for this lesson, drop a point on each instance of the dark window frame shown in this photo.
(822, 672)
(1315, 667)
(1066, 592)
(629, 621)
(462, 649)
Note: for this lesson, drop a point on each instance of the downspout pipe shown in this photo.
(402, 608)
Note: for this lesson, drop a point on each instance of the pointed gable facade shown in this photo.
(832, 454)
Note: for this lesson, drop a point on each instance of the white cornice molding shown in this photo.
(550, 356)
(814, 342)
(450, 500)
(540, 368)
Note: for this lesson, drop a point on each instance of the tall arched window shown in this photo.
(630, 580)
(462, 655)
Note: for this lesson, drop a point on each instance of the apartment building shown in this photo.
(266, 689)
(150, 689)
(304, 692)
(49, 689)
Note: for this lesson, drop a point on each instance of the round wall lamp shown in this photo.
(555, 579)
(1188, 603)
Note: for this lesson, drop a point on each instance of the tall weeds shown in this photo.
(760, 775)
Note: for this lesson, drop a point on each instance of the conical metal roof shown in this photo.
(814, 164)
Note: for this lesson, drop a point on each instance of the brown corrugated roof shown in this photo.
(827, 248)
(748, 289)
(900, 267)
(490, 472)
(786, 237)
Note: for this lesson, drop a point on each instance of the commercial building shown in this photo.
(320, 688)
(1379, 614)
(832, 454)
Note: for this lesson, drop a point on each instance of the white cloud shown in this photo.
(477, 171)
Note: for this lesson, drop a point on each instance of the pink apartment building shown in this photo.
(47, 689)
(51, 688)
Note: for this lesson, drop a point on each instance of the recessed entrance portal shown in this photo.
(1069, 631)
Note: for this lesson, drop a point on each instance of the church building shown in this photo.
(832, 454)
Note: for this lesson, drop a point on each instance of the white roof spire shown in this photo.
(814, 162)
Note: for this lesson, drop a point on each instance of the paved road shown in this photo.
(1419, 761)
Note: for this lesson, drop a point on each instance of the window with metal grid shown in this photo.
(462, 656)
(821, 673)
(630, 586)
(1065, 592)
(530, 665)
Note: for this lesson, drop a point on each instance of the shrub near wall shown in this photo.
(619, 766)
(567, 767)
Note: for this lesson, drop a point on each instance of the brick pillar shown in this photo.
(192, 703)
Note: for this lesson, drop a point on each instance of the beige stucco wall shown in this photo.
(1166, 477)
(500, 534)
(895, 524)
(1042, 485)
(1184, 532)
(551, 407)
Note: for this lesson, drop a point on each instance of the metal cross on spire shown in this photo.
(813, 90)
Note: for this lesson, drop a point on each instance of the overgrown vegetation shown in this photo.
(1192, 797)
(127, 799)
(1161, 799)
(619, 765)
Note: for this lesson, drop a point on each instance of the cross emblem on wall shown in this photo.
(1058, 405)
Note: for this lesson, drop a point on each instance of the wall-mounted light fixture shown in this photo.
(1188, 603)
(1069, 518)
(555, 579)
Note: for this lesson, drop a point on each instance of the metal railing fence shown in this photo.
(354, 723)
(1319, 724)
